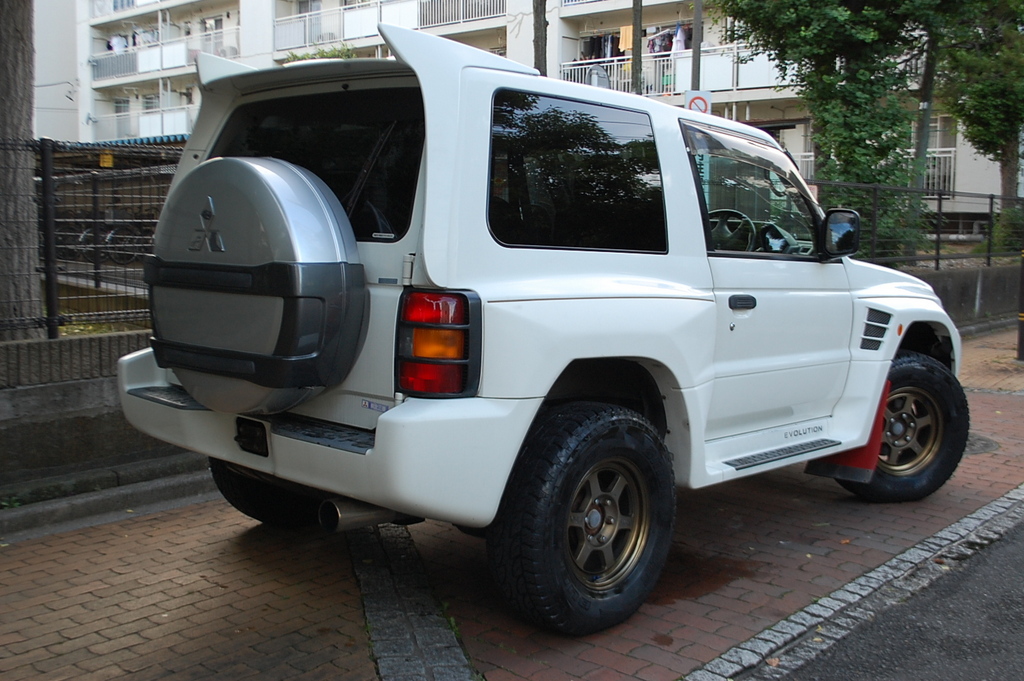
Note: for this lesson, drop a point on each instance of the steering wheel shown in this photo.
(773, 239)
(732, 230)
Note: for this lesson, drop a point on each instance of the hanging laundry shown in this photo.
(626, 38)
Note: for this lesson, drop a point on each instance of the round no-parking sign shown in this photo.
(698, 100)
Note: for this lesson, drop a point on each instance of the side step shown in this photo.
(169, 396)
(781, 453)
(323, 433)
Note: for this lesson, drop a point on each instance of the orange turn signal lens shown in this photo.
(439, 343)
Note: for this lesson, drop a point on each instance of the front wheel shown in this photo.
(585, 525)
(926, 426)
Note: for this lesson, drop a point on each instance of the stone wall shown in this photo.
(976, 297)
(75, 358)
(59, 407)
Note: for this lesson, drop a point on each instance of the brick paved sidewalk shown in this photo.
(747, 554)
(193, 593)
(990, 363)
(203, 591)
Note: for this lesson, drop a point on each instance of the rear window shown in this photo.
(570, 174)
(365, 145)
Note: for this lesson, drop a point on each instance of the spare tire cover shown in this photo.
(256, 290)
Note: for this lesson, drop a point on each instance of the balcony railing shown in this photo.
(939, 176)
(164, 54)
(360, 21)
(102, 8)
(154, 123)
(805, 162)
(107, 7)
(730, 67)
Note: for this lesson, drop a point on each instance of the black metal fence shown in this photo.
(91, 212)
(904, 227)
(94, 209)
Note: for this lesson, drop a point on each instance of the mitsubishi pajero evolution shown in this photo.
(441, 286)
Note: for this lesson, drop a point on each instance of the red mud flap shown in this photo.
(855, 465)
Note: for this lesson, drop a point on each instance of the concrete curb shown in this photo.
(986, 326)
(80, 506)
(794, 641)
(75, 482)
(410, 637)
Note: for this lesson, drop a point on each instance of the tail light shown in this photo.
(438, 348)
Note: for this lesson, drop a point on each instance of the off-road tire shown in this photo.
(927, 422)
(263, 501)
(585, 524)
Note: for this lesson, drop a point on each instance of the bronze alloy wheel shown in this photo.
(913, 431)
(585, 524)
(608, 524)
(927, 420)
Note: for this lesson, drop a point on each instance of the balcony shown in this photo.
(103, 8)
(163, 55)
(152, 123)
(725, 68)
(939, 175)
(360, 21)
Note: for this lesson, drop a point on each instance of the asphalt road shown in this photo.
(967, 626)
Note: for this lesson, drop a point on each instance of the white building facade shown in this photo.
(125, 69)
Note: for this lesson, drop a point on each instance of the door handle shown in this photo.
(742, 301)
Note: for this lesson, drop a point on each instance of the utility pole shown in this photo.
(637, 59)
(698, 38)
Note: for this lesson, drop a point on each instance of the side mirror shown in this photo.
(840, 233)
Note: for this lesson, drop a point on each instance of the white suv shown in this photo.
(441, 286)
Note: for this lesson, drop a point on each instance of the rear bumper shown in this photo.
(442, 459)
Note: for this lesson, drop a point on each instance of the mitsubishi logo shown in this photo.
(205, 233)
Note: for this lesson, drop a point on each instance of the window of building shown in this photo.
(568, 174)
(755, 199)
(122, 118)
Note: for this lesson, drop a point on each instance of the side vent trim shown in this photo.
(875, 329)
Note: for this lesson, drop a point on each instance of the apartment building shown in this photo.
(117, 70)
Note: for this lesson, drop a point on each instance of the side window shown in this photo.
(568, 174)
(753, 195)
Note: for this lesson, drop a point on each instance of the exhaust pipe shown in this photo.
(342, 514)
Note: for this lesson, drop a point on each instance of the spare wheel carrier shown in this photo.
(256, 290)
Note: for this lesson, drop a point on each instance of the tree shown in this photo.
(982, 86)
(19, 284)
(849, 60)
(636, 61)
(846, 59)
(540, 36)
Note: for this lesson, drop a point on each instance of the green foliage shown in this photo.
(9, 502)
(342, 51)
(849, 60)
(982, 84)
(1008, 234)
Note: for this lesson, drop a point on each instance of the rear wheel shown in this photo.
(586, 522)
(261, 500)
(926, 427)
